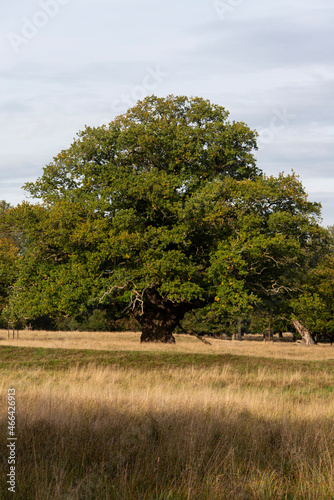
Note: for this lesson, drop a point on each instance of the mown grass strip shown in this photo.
(57, 359)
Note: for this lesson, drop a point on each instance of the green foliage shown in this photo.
(210, 320)
(315, 305)
(92, 321)
(163, 209)
(9, 260)
(272, 240)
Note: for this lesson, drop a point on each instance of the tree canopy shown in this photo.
(163, 211)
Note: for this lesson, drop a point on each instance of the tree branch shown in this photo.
(194, 334)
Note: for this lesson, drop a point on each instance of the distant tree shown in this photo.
(9, 259)
(330, 230)
(315, 305)
(163, 211)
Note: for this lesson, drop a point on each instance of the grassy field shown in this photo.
(100, 416)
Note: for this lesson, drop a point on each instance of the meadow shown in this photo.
(100, 416)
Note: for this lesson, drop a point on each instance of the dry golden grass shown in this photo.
(127, 341)
(184, 433)
(262, 393)
(220, 432)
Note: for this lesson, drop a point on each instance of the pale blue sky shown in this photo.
(67, 63)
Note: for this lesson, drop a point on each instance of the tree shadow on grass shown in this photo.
(103, 452)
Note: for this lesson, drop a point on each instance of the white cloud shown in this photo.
(319, 185)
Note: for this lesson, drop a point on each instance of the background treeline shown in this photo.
(314, 306)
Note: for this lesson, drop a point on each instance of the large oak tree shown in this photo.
(164, 210)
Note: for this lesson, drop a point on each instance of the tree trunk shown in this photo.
(238, 335)
(307, 338)
(239, 328)
(157, 327)
(159, 317)
(268, 334)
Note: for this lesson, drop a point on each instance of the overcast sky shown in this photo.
(67, 63)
